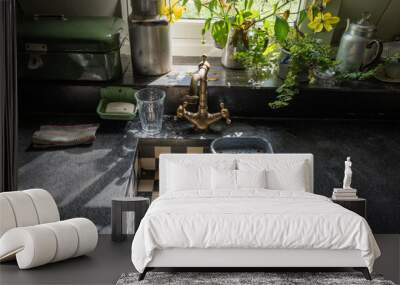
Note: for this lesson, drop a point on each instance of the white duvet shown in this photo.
(250, 219)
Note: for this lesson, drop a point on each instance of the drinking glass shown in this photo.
(150, 102)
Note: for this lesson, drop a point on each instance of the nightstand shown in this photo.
(358, 206)
(138, 205)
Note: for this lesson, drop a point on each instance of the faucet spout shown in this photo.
(198, 89)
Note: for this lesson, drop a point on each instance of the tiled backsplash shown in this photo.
(147, 160)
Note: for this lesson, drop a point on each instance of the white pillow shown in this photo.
(251, 178)
(189, 176)
(183, 177)
(223, 179)
(282, 174)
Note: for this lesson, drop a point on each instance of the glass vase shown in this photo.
(257, 75)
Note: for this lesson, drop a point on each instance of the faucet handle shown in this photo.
(225, 113)
(204, 62)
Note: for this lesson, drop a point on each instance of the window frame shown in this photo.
(186, 39)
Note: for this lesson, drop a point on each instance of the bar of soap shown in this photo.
(120, 107)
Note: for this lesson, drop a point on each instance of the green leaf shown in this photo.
(239, 19)
(281, 29)
(219, 32)
(197, 4)
(266, 24)
(302, 17)
(206, 26)
(247, 14)
(184, 2)
(248, 4)
(212, 5)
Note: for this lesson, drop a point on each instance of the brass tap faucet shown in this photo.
(202, 118)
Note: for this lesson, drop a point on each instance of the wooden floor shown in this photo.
(111, 259)
(104, 266)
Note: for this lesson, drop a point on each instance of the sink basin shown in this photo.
(241, 145)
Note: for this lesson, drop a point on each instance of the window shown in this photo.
(186, 33)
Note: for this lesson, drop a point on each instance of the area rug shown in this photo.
(253, 278)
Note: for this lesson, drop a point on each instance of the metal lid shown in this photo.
(363, 27)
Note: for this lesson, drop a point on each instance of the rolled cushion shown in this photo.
(37, 245)
(32, 246)
(46, 207)
(26, 208)
(67, 240)
(23, 208)
(87, 235)
(7, 219)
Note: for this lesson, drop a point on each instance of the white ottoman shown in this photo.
(31, 232)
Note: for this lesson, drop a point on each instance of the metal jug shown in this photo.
(354, 49)
(146, 9)
(150, 47)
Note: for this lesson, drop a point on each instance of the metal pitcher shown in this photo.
(354, 52)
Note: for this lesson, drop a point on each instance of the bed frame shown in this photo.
(242, 259)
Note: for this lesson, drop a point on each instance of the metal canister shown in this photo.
(353, 54)
(146, 9)
(150, 46)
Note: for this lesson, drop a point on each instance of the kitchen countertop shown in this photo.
(83, 179)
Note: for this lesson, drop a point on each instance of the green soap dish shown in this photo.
(116, 94)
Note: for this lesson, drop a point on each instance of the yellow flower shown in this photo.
(172, 10)
(323, 20)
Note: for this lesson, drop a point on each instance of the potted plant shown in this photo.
(261, 57)
(308, 56)
(230, 22)
(305, 55)
(251, 38)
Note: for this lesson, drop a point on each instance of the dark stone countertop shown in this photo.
(350, 99)
(83, 179)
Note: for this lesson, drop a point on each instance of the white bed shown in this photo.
(194, 224)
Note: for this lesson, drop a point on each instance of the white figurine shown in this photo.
(348, 173)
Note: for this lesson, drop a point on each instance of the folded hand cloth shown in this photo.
(54, 135)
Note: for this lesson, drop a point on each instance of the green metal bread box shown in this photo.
(71, 48)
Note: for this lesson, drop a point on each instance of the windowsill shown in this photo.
(353, 99)
(184, 66)
(229, 78)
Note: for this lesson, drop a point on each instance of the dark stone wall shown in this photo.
(374, 147)
(375, 152)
